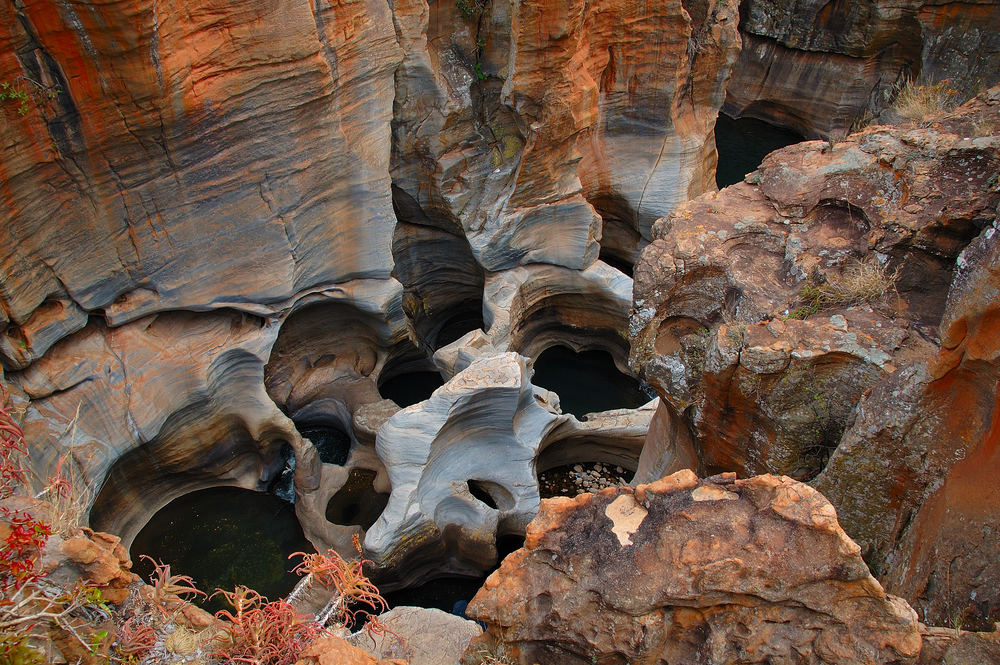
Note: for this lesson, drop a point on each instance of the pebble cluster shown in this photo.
(575, 479)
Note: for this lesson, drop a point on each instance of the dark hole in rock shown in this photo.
(222, 537)
(477, 490)
(450, 594)
(743, 143)
(283, 485)
(410, 388)
(494, 495)
(587, 382)
(357, 502)
(453, 593)
(617, 263)
(573, 479)
(332, 443)
(459, 324)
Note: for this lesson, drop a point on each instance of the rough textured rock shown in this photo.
(338, 651)
(683, 571)
(419, 636)
(764, 375)
(928, 518)
(820, 67)
(730, 321)
(947, 646)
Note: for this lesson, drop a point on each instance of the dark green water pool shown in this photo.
(222, 537)
(587, 382)
(743, 144)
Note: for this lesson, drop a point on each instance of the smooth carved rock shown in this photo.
(533, 115)
(726, 323)
(534, 307)
(658, 87)
(854, 57)
(738, 572)
(479, 432)
(135, 171)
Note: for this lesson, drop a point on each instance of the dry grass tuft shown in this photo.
(920, 102)
(863, 282)
(859, 283)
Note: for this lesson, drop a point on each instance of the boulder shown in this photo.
(685, 570)
(419, 636)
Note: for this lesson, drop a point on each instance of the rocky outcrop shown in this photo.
(763, 312)
(822, 68)
(684, 571)
(930, 512)
(751, 322)
(419, 636)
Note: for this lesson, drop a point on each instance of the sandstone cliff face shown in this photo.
(822, 67)
(685, 571)
(174, 125)
(743, 322)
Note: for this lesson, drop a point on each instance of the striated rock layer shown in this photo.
(685, 571)
(152, 151)
(822, 68)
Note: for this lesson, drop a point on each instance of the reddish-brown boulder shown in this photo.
(684, 571)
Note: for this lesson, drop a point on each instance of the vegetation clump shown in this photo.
(919, 102)
(154, 623)
(859, 283)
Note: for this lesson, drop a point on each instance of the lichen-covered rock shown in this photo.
(762, 313)
(684, 571)
(929, 509)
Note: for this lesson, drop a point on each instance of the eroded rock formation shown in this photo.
(684, 571)
(751, 322)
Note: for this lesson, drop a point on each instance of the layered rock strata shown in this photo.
(683, 571)
(822, 68)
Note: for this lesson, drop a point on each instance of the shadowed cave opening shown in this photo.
(357, 502)
(221, 537)
(743, 143)
(587, 381)
(409, 378)
(452, 593)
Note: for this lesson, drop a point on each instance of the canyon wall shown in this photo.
(825, 68)
(228, 226)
